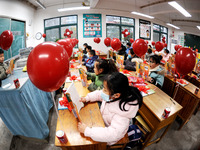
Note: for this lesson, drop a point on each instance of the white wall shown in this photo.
(20, 11)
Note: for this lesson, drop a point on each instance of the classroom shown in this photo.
(99, 74)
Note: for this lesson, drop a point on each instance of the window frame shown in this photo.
(160, 32)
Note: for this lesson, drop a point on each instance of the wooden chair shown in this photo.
(120, 144)
(168, 86)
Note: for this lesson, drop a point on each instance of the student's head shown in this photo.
(1, 55)
(149, 51)
(91, 53)
(131, 52)
(104, 66)
(149, 46)
(85, 45)
(116, 85)
(166, 51)
(128, 45)
(154, 61)
(88, 48)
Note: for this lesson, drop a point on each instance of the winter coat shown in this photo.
(90, 63)
(116, 120)
(97, 81)
(157, 74)
(129, 65)
(3, 68)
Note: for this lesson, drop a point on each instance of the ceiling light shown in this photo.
(140, 14)
(173, 26)
(40, 4)
(179, 8)
(72, 8)
(198, 27)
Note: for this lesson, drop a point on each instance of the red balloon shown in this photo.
(159, 46)
(163, 40)
(115, 44)
(131, 40)
(153, 43)
(6, 39)
(97, 40)
(176, 47)
(140, 47)
(77, 41)
(71, 32)
(165, 44)
(69, 36)
(147, 42)
(107, 41)
(43, 35)
(179, 46)
(67, 30)
(73, 41)
(185, 60)
(65, 34)
(48, 66)
(66, 45)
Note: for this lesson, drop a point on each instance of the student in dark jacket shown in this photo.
(90, 61)
(128, 64)
(86, 56)
(85, 46)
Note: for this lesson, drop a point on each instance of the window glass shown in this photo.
(113, 19)
(52, 22)
(163, 29)
(71, 28)
(127, 21)
(52, 34)
(156, 36)
(113, 31)
(156, 27)
(130, 30)
(69, 20)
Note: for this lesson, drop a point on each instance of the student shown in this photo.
(166, 55)
(122, 50)
(128, 47)
(148, 54)
(156, 73)
(128, 64)
(85, 45)
(90, 61)
(4, 71)
(101, 68)
(120, 103)
(86, 56)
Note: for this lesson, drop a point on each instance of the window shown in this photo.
(116, 24)
(17, 28)
(55, 27)
(159, 32)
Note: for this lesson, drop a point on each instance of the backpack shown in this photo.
(134, 133)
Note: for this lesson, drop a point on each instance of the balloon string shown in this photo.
(57, 111)
(177, 86)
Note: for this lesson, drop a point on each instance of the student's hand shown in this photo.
(81, 127)
(8, 71)
(83, 99)
(148, 78)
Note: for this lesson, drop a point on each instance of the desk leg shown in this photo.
(165, 131)
(148, 139)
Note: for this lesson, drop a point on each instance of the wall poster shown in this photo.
(92, 26)
(145, 29)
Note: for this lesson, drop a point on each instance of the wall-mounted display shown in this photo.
(92, 26)
(145, 29)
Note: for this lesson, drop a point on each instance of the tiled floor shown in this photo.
(188, 138)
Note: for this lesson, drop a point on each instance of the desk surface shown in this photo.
(90, 115)
(158, 101)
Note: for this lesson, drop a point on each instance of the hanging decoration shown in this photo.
(68, 33)
(125, 33)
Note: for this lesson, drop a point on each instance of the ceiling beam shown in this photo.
(184, 20)
(93, 3)
(28, 3)
(155, 3)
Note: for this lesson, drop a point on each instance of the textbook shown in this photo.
(83, 76)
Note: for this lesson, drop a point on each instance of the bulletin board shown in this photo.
(92, 25)
(145, 29)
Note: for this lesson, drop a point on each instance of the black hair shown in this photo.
(156, 58)
(118, 83)
(131, 51)
(174, 52)
(149, 46)
(85, 44)
(1, 51)
(167, 51)
(89, 47)
(107, 65)
(129, 44)
(149, 51)
(92, 52)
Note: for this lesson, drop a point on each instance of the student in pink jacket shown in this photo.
(120, 103)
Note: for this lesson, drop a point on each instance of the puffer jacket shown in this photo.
(3, 68)
(157, 74)
(116, 120)
(90, 63)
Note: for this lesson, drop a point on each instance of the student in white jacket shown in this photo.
(120, 103)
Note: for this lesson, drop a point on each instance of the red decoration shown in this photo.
(44, 35)
(165, 44)
(6, 39)
(185, 60)
(65, 34)
(163, 40)
(176, 47)
(140, 47)
(147, 42)
(68, 33)
(115, 44)
(125, 33)
(66, 45)
(97, 40)
(153, 43)
(107, 41)
(48, 66)
(159, 46)
(131, 40)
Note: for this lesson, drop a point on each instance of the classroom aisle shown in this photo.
(188, 138)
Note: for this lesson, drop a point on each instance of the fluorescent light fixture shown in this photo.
(169, 24)
(179, 8)
(72, 8)
(40, 4)
(144, 15)
(198, 27)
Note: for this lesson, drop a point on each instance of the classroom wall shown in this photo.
(20, 11)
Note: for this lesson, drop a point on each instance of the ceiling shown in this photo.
(160, 9)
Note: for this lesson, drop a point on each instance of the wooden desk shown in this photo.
(152, 109)
(90, 115)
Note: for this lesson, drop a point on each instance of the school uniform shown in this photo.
(157, 75)
(90, 63)
(3, 68)
(116, 120)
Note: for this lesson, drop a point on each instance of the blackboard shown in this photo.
(192, 41)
